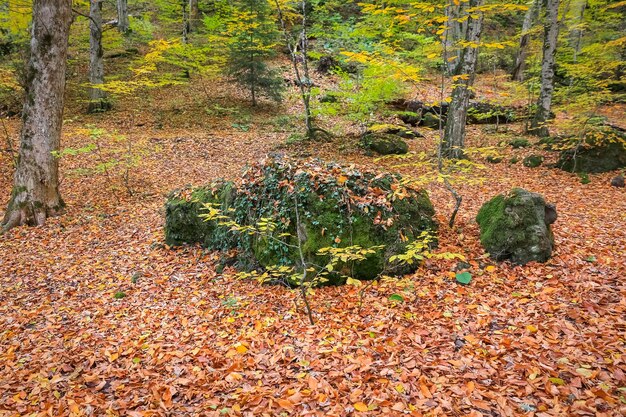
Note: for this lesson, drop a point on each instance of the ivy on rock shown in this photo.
(305, 206)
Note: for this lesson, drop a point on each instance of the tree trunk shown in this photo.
(522, 52)
(97, 97)
(576, 35)
(538, 125)
(454, 33)
(35, 194)
(194, 15)
(122, 16)
(454, 132)
(185, 21)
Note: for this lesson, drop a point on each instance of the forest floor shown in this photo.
(541, 339)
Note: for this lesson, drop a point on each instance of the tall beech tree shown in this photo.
(464, 73)
(520, 57)
(35, 194)
(538, 125)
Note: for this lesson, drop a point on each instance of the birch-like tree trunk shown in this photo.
(97, 98)
(123, 23)
(184, 5)
(453, 141)
(35, 194)
(456, 29)
(538, 125)
(576, 35)
(522, 52)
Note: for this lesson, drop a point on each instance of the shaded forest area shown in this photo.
(311, 208)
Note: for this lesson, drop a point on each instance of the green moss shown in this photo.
(519, 143)
(513, 227)
(533, 161)
(385, 144)
(337, 207)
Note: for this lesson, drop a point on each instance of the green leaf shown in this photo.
(396, 297)
(463, 278)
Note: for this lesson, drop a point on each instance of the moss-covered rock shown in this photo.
(385, 143)
(430, 120)
(603, 150)
(494, 159)
(517, 227)
(334, 206)
(533, 161)
(519, 143)
(391, 129)
(483, 112)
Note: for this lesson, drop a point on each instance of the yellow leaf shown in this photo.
(490, 268)
(241, 348)
(352, 281)
(532, 328)
(360, 406)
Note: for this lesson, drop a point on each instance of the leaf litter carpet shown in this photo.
(180, 339)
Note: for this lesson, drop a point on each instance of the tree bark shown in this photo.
(456, 30)
(97, 98)
(576, 35)
(194, 15)
(122, 16)
(35, 194)
(454, 133)
(538, 125)
(522, 52)
(186, 27)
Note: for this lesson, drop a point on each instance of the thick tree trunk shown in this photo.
(538, 125)
(97, 98)
(522, 52)
(35, 193)
(194, 15)
(122, 16)
(454, 133)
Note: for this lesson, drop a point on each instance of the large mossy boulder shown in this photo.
(484, 112)
(517, 227)
(602, 150)
(334, 206)
(384, 143)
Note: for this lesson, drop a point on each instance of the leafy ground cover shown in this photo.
(98, 317)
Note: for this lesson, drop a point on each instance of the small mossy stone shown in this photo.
(385, 144)
(533, 161)
(514, 160)
(494, 159)
(516, 226)
(519, 143)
